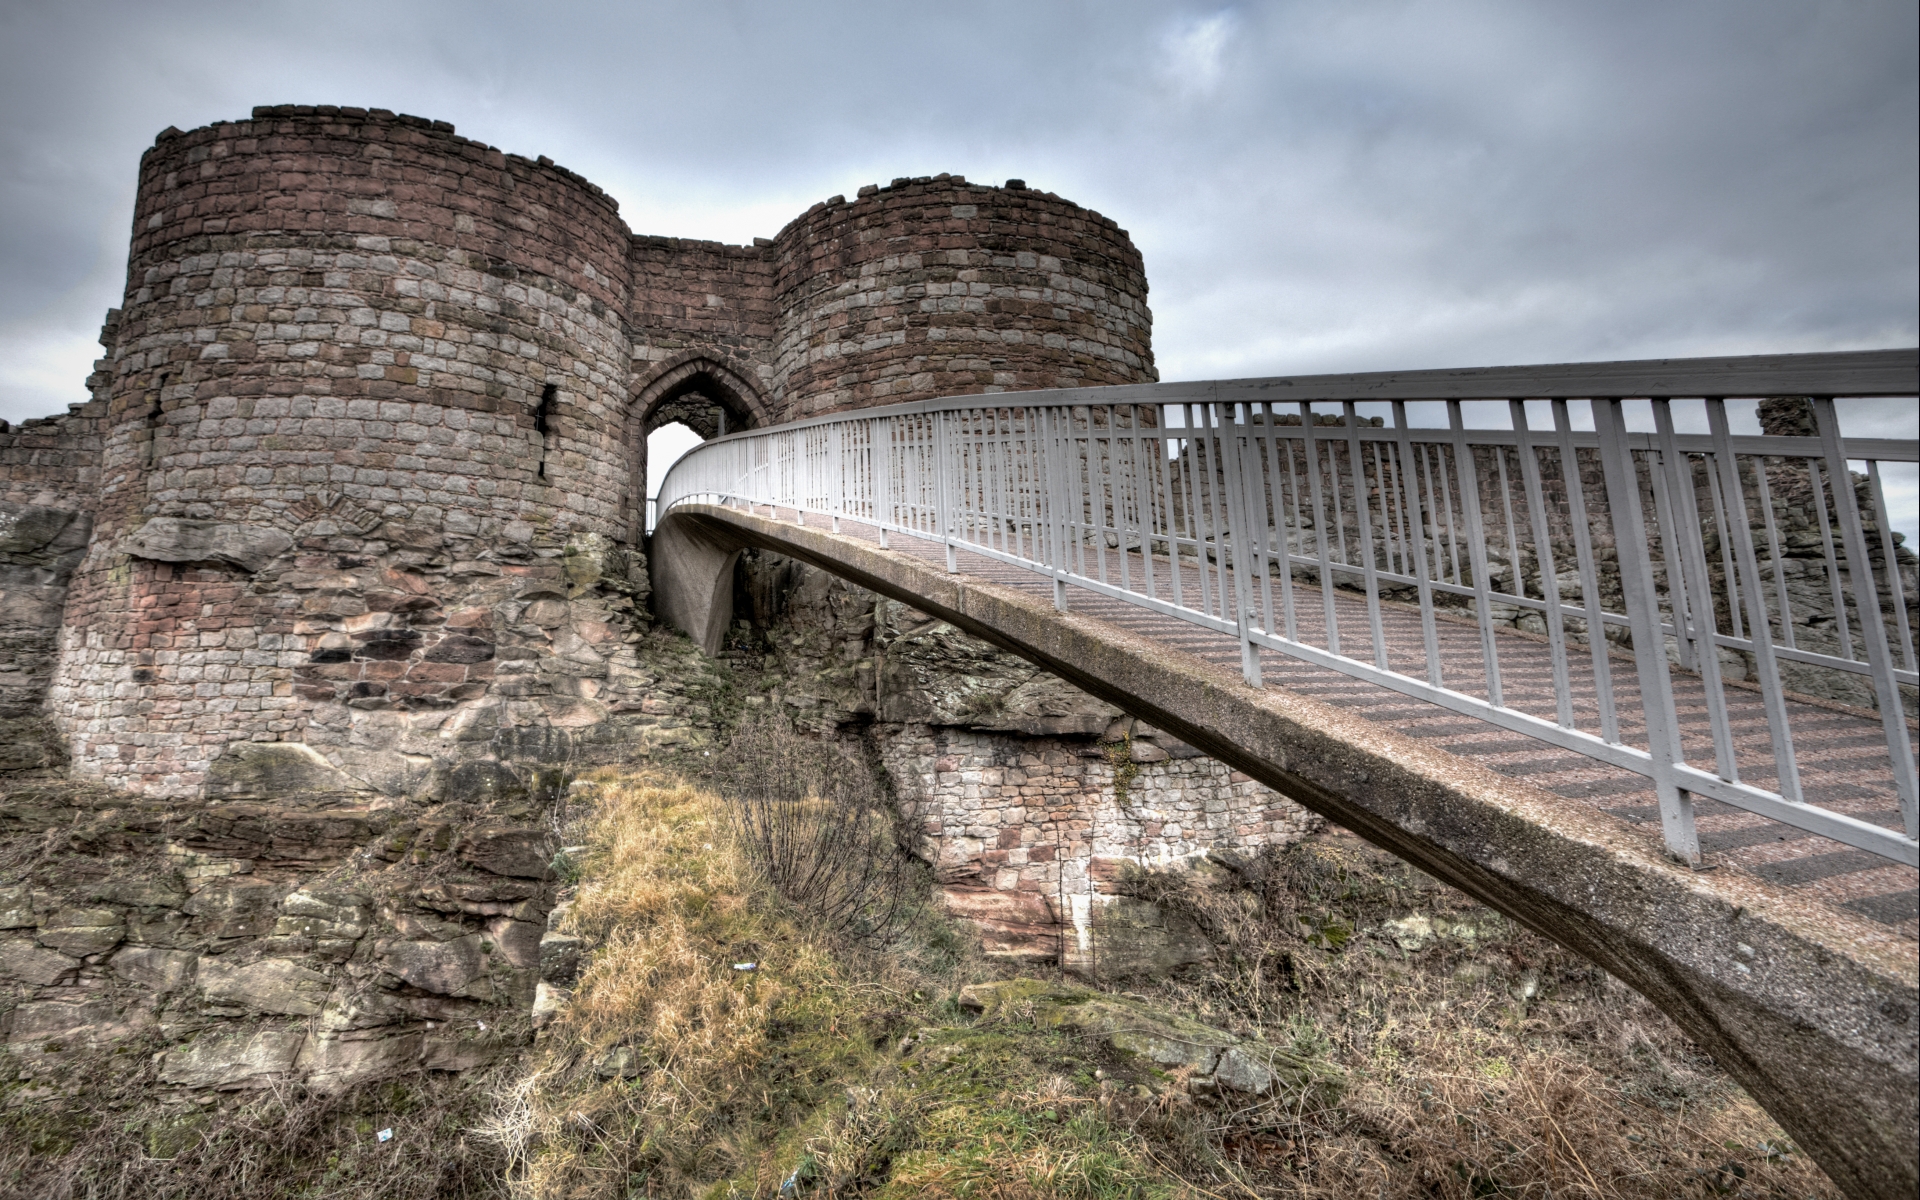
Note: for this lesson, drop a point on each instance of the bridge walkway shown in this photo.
(1842, 753)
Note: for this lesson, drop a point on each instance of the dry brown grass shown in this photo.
(1489, 1062)
(662, 1029)
(105, 1137)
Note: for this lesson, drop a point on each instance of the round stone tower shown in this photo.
(937, 287)
(354, 349)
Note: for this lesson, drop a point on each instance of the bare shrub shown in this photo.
(811, 817)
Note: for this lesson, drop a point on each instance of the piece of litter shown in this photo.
(482, 1024)
(745, 966)
(385, 1135)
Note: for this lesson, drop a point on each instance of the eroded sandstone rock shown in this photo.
(270, 770)
(25, 962)
(446, 968)
(269, 985)
(233, 1059)
(178, 540)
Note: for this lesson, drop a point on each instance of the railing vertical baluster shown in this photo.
(1234, 546)
(837, 472)
(943, 473)
(1506, 509)
(1833, 563)
(1190, 479)
(1715, 492)
(1285, 507)
(1263, 496)
(1363, 514)
(1312, 448)
(1417, 539)
(1582, 532)
(1442, 465)
(1786, 768)
(1779, 560)
(1121, 507)
(1047, 496)
(1873, 629)
(1643, 615)
(1467, 472)
(1543, 559)
(1221, 521)
(1680, 600)
(883, 474)
(1693, 567)
(1146, 456)
(1890, 550)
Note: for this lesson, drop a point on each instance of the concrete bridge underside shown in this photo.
(1814, 1008)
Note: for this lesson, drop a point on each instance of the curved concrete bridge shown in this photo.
(1413, 664)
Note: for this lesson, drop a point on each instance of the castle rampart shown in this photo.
(377, 391)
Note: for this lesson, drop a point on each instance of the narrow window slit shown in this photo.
(549, 397)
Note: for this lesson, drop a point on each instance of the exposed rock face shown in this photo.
(298, 931)
(1029, 797)
(39, 548)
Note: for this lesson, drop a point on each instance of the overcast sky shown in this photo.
(1316, 186)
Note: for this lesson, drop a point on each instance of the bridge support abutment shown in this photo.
(691, 566)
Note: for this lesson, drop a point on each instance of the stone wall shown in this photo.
(276, 934)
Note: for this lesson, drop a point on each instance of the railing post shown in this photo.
(1239, 536)
(942, 487)
(880, 450)
(1049, 483)
(837, 472)
(1643, 618)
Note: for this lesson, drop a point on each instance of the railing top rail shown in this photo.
(1848, 373)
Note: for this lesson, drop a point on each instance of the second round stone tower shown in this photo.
(370, 434)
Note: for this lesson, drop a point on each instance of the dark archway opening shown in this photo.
(690, 405)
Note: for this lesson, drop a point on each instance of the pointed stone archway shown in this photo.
(693, 389)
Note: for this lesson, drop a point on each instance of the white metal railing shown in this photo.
(1274, 511)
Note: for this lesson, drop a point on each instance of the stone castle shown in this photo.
(310, 613)
(372, 381)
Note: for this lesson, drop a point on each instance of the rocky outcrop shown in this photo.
(39, 548)
(287, 929)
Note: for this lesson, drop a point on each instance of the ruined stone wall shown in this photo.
(933, 286)
(1031, 838)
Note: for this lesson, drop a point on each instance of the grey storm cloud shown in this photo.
(1315, 186)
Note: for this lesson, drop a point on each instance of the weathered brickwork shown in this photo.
(374, 384)
(1030, 837)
